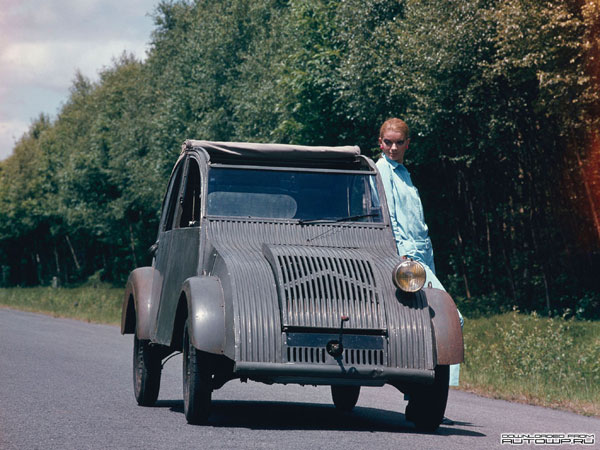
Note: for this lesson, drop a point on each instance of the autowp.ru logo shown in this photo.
(547, 438)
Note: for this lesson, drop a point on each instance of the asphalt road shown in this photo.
(66, 384)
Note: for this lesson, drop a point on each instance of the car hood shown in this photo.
(271, 288)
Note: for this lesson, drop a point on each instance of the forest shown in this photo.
(502, 97)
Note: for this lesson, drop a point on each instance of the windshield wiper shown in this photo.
(340, 219)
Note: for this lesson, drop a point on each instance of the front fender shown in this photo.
(137, 302)
(206, 313)
(446, 327)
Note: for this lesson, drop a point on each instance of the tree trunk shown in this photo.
(539, 257)
(132, 242)
(73, 253)
(594, 210)
(508, 267)
(489, 253)
(38, 268)
(463, 264)
(459, 240)
(56, 260)
(536, 209)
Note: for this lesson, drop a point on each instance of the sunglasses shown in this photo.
(389, 143)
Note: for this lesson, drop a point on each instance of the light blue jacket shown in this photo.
(406, 215)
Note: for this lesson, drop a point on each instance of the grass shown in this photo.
(99, 303)
(517, 357)
(550, 362)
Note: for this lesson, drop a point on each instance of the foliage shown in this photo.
(505, 143)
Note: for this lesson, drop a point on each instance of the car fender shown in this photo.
(135, 314)
(446, 327)
(206, 313)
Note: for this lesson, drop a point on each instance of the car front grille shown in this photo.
(318, 286)
(349, 357)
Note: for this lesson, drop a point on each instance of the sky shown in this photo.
(44, 42)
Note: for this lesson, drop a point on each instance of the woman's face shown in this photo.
(394, 145)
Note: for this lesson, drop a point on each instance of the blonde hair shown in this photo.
(394, 124)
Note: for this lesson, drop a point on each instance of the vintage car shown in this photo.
(277, 263)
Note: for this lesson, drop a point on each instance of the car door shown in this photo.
(163, 242)
(183, 239)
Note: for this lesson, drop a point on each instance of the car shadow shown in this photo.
(269, 415)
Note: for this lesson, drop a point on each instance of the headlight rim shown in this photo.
(409, 266)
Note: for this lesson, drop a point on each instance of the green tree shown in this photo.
(505, 142)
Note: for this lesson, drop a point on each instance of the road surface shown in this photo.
(66, 384)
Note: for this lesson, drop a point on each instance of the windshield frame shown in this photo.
(292, 169)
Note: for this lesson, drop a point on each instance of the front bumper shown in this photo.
(314, 374)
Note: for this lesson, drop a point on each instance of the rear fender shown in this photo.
(206, 313)
(137, 302)
(446, 327)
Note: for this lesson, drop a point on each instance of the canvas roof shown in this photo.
(280, 154)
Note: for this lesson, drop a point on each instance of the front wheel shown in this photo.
(197, 382)
(427, 403)
(146, 372)
(345, 397)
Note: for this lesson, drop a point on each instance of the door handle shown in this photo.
(153, 248)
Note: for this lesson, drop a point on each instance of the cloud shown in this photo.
(53, 64)
(44, 43)
(34, 20)
(10, 133)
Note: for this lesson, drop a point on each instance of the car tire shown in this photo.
(427, 403)
(197, 382)
(146, 372)
(345, 397)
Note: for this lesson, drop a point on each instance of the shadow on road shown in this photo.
(268, 415)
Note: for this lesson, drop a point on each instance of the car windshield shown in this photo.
(306, 196)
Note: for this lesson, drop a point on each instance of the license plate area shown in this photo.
(358, 350)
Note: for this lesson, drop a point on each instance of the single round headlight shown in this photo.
(409, 275)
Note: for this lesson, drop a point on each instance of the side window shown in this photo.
(172, 202)
(190, 208)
